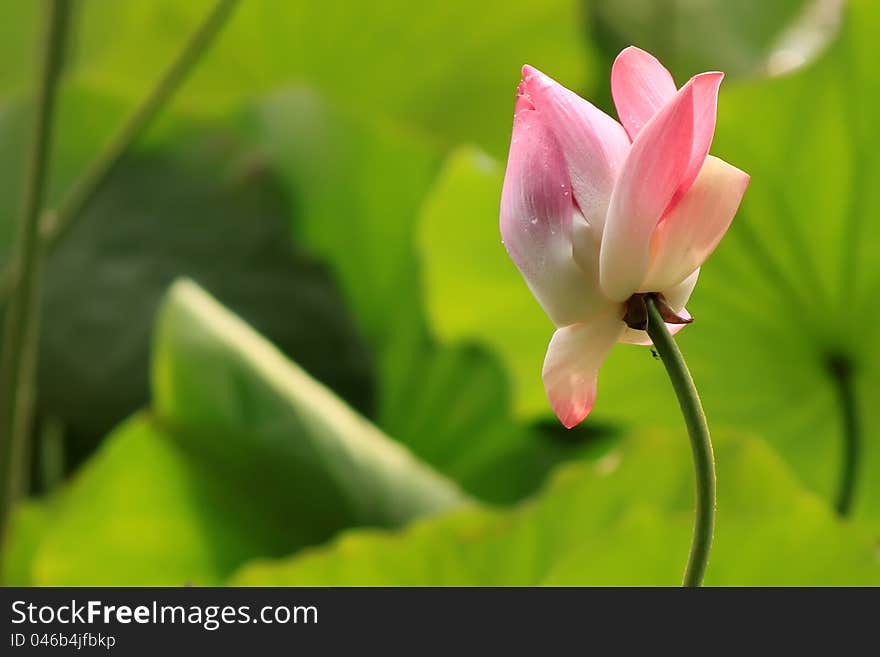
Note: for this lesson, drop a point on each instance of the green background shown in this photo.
(284, 345)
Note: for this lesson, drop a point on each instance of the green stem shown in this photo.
(19, 344)
(87, 185)
(841, 371)
(701, 444)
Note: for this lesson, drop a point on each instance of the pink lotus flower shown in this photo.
(594, 212)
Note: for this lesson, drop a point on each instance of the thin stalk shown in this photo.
(701, 444)
(87, 185)
(842, 374)
(18, 356)
(39, 233)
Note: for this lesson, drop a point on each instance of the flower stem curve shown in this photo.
(701, 443)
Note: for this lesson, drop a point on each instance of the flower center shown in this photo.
(636, 315)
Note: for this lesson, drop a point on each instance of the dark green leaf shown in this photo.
(207, 210)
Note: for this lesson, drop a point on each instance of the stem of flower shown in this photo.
(701, 444)
(19, 343)
(842, 374)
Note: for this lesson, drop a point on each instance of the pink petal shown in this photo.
(536, 216)
(593, 143)
(571, 366)
(664, 160)
(705, 112)
(692, 230)
(640, 86)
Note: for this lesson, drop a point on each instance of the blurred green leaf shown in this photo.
(338, 172)
(747, 37)
(19, 32)
(143, 511)
(201, 206)
(355, 187)
(460, 420)
(449, 69)
(214, 377)
(209, 182)
(80, 132)
(246, 455)
(791, 288)
(449, 404)
(625, 520)
(29, 523)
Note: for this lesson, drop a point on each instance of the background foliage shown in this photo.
(283, 345)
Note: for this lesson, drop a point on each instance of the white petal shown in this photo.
(691, 231)
(678, 295)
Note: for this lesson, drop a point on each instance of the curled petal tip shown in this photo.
(529, 71)
(671, 317)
